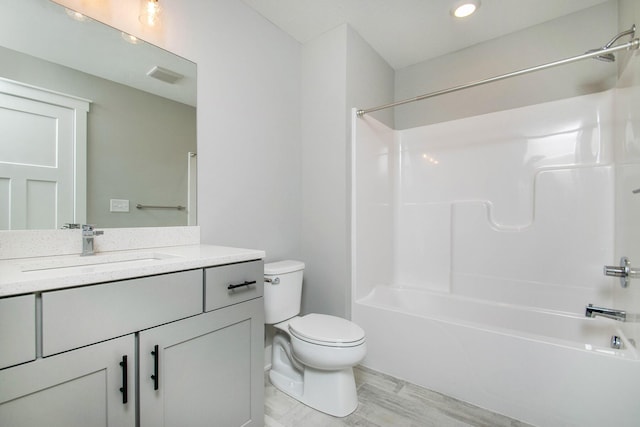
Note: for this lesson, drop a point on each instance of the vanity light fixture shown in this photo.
(464, 8)
(150, 11)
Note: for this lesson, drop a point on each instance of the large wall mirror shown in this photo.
(140, 145)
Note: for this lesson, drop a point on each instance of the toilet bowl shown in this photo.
(326, 342)
(312, 355)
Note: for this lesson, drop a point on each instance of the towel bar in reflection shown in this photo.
(139, 206)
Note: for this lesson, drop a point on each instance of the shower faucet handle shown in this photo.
(615, 271)
(624, 271)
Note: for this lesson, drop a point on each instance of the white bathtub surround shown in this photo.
(627, 152)
(557, 371)
(492, 204)
(477, 244)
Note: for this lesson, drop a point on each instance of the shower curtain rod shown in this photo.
(633, 44)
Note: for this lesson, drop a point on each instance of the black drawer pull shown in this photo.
(124, 388)
(156, 360)
(246, 283)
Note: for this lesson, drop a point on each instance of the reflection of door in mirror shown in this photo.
(192, 189)
(42, 158)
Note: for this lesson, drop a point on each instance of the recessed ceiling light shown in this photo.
(462, 9)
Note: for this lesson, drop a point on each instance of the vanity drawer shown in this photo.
(76, 317)
(238, 277)
(17, 330)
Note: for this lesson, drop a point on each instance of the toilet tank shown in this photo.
(282, 295)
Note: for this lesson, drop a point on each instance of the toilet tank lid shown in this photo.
(282, 267)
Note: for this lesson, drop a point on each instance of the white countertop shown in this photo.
(28, 275)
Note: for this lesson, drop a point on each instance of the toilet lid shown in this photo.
(283, 267)
(325, 329)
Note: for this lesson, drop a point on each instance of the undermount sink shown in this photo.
(98, 260)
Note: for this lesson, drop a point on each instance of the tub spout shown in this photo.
(609, 313)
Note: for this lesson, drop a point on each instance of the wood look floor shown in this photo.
(384, 401)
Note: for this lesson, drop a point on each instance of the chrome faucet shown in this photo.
(88, 233)
(609, 313)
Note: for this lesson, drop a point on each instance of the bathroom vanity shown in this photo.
(172, 337)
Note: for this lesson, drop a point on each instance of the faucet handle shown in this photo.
(70, 226)
(624, 271)
(90, 230)
(614, 271)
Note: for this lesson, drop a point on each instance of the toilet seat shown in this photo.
(322, 329)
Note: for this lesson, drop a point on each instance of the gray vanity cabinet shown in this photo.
(154, 349)
(79, 388)
(204, 371)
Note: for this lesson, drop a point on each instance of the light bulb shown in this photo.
(150, 13)
(463, 9)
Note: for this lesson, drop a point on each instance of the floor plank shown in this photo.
(384, 401)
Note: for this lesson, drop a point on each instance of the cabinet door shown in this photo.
(80, 388)
(17, 330)
(207, 370)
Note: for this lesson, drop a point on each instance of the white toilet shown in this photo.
(313, 355)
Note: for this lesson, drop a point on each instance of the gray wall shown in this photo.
(137, 143)
(340, 71)
(249, 190)
(561, 38)
(324, 173)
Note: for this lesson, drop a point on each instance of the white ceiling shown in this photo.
(406, 32)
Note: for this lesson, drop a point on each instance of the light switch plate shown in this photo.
(119, 205)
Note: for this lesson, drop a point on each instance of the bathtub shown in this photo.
(542, 367)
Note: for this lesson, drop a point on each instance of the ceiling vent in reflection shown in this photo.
(165, 75)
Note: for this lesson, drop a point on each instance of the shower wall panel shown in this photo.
(374, 154)
(514, 207)
(627, 159)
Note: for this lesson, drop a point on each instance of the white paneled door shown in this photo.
(42, 158)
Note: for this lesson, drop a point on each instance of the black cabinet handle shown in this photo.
(239, 285)
(124, 389)
(156, 360)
